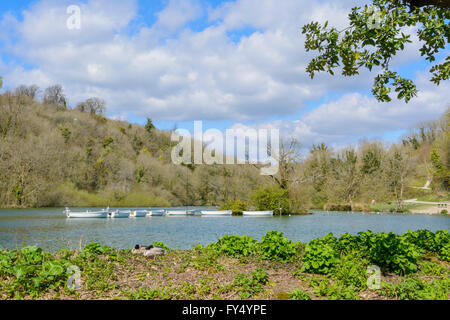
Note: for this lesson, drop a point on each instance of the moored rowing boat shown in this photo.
(155, 213)
(217, 213)
(176, 212)
(258, 213)
(87, 214)
(119, 214)
(138, 214)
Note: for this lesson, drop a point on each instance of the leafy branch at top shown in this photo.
(374, 36)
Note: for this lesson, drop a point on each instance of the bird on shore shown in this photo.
(148, 251)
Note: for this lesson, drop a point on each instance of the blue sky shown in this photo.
(229, 63)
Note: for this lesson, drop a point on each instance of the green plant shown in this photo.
(432, 268)
(392, 253)
(234, 246)
(237, 206)
(274, 246)
(351, 271)
(413, 288)
(251, 284)
(319, 258)
(298, 294)
(161, 244)
(32, 271)
(271, 198)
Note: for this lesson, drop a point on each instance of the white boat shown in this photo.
(138, 214)
(119, 214)
(258, 213)
(87, 214)
(155, 213)
(176, 212)
(191, 212)
(217, 213)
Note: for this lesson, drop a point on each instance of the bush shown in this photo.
(234, 246)
(31, 271)
(319, 258)
(417, 289)
(393, 253)
(348, 243)
(274, 246)
(351, 271)
(271, 198)
(249, 285)
(236, 206)
(298, 294)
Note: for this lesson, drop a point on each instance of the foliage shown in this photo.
(271, 198)
(334, 291)
(298, 294)
(392, 252)
(161, 244)
(374, 37)
(149, 126)
(237, 206)
(319, 258)
(351, 271)
(235, 246)
(251, 284)
(413, 288)
(274, 246)
(31, 272)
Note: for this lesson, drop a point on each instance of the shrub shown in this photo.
(393, 253)
(417, 289)
(319, 258)
(347, 243)
(274, 246)
(271, 198)
(351, 271)
(31, 271)
(421, 238)
(235, 246)
(444, 253)
(298, 294)
(236, 206)
(249, 285)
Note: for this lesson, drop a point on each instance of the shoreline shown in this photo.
(235, 268)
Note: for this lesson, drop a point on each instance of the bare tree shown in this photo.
(27, 91)
(93, 106)
(54, 95)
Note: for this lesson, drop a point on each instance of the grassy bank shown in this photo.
(414, 265)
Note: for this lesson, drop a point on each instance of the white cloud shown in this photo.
(170, 72)
(354, 116)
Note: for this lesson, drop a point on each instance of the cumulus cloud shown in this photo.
(169, 71)
(354, 116)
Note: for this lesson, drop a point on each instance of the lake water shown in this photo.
(51, 230)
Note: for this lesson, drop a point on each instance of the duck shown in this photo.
(148, 251)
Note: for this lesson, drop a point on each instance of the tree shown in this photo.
(27, 91)
(149, 126)
(375, 36)
(93, 106)
(345, 177)
(272, 198)
(54, 95)
(397, 168)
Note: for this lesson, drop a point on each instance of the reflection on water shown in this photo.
(51, 230)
